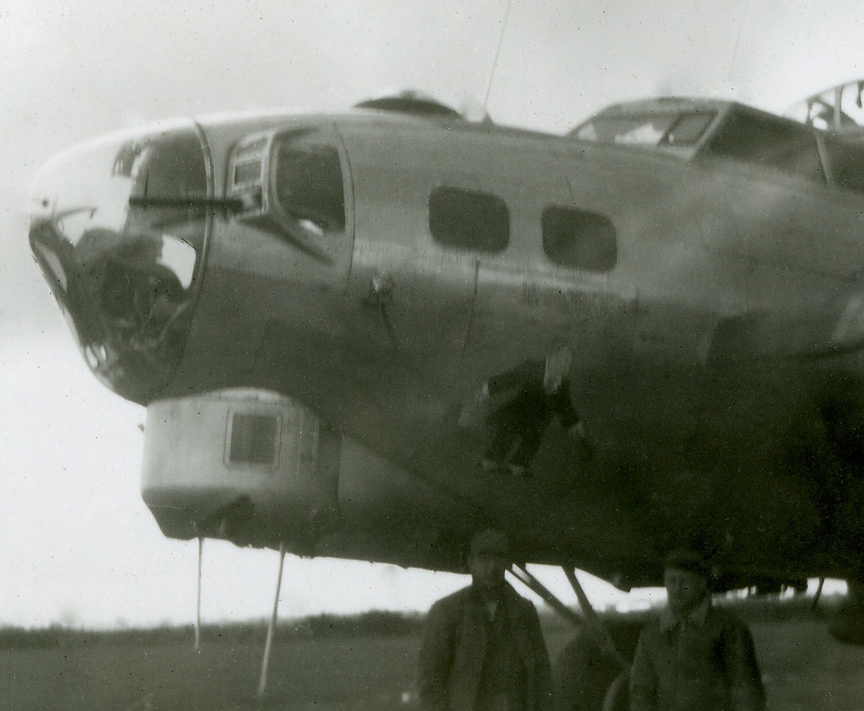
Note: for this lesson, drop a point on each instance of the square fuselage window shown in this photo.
(253, 439)
(469, 220)
(579, 239)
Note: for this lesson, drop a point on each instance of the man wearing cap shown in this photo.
(483, 649)
(695, 657)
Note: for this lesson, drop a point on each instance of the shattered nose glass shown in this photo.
(118, 226)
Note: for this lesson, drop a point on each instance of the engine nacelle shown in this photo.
(249, 466)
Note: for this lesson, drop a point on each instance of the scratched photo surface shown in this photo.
(712, 318)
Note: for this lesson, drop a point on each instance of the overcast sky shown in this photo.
(77, 545)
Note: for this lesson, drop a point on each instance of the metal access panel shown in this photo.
(254, 467)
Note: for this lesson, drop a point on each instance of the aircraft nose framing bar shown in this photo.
(588, 621)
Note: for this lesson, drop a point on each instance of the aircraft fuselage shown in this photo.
(714, 310)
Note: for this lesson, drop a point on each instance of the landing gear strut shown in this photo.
(593, 671)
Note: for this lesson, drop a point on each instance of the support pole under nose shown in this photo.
(198, 603)
(262, 684)
(818, 595)
(595, 624)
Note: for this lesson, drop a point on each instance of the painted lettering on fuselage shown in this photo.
(589, 304)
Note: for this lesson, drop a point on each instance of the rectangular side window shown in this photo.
(469, 220)
(253, 439)
(689, 129)
(579, 239)
(309, 186)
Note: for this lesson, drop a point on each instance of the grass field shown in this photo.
(350, 673)
(804, 669)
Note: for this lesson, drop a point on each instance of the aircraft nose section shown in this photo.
(118, 234)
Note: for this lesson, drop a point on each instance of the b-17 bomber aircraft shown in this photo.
(308, 303)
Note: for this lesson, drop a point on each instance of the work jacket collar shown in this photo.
(507, 593)
(697, 616)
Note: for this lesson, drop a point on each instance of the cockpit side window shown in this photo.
(579, 239)
(309, 186)
(688, 129)
(469, 220)
(761, 141)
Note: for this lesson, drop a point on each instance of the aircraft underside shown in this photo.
(754, 461)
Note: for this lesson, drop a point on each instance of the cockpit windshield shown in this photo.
(118, 227)
(650, 129)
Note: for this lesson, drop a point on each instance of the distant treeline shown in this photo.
(769, 609)
(753, 610)
(368, 624)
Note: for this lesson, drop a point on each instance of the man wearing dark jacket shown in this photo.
(483, 649)
(541, 390)
(695, 657)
